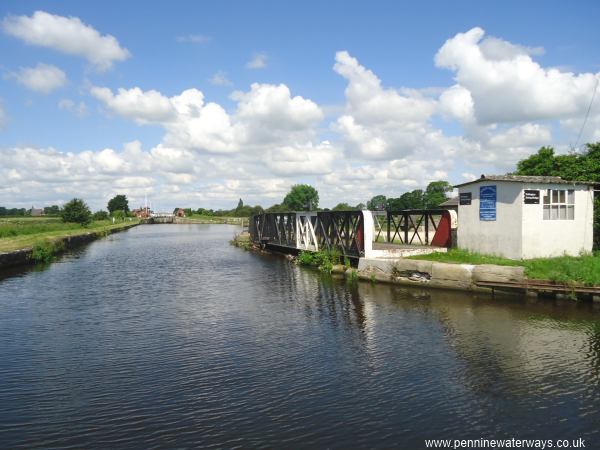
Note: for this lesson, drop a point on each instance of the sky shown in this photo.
(197, 104)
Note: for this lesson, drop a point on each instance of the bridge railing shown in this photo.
(353, 233)
(274, 228)
(419, 227)
(341, 230)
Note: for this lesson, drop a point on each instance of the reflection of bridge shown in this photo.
(356, 234)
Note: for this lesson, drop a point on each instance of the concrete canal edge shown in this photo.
(418, 273)
(24, 256)
(421, 273)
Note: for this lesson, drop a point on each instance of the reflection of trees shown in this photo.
(505, 347)
(518, 350)
(321, 296)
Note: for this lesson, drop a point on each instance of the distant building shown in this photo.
(522, 217)
(179, 212)
(142, 212)
(35, 212)
(451, 204)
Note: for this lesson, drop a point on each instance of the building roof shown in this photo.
(450, 202)
(525, 179)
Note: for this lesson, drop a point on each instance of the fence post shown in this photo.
(368, 234)
(389, 218)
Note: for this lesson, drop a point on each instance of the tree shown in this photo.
(240, 204)
(377, 202)
(584, 166)
(277, 208)
(300, 196)
(435, 193)
(118, 203)
(100, 215)
(542, 163)
(408, 200)
(343, 207)
(76, 211)
(53, 210)
(118, 215)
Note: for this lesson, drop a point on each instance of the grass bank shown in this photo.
(199, 218)
(21, 233)
(583, 269)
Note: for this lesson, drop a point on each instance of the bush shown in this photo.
(44, 251)
(119, 215)
(76, 211)
(323, 260)
(100, 215)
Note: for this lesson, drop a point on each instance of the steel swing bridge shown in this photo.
(355, 234)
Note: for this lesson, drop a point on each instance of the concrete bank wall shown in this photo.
(437, 275)
(24, 256)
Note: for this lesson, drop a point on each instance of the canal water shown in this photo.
(165, 336)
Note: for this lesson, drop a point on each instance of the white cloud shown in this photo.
(194, 39)
(456, 103)
(258, 61)
(267, 115)
(79, 109)
(303, 160)
(381, 123)
(141, 106)
(498, 49)
(43, 78)
(68, 35)
(507, 85)
(220, 79)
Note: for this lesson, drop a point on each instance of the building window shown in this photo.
(559, 204)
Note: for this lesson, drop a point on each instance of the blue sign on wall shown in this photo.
(487, 203)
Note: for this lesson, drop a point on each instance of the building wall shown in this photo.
(501, 237)
(546, 238)
(519, 231)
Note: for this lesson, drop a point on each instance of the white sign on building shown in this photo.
(523, 217)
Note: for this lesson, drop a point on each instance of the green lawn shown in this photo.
(566, 269)
(24, 232)
(199, 218)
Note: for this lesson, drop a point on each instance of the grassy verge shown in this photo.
(565, 269)
(458, 256)
(198, 218)
(20, 234)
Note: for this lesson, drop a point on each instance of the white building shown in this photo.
(522, 217)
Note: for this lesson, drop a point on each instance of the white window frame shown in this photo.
(559, 204)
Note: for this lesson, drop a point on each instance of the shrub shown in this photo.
(323, 260)
(100, 215)
(44, 251)
(76, 211)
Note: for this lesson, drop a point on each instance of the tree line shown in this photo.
(303, 197)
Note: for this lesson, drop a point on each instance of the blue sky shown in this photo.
(390, 118)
